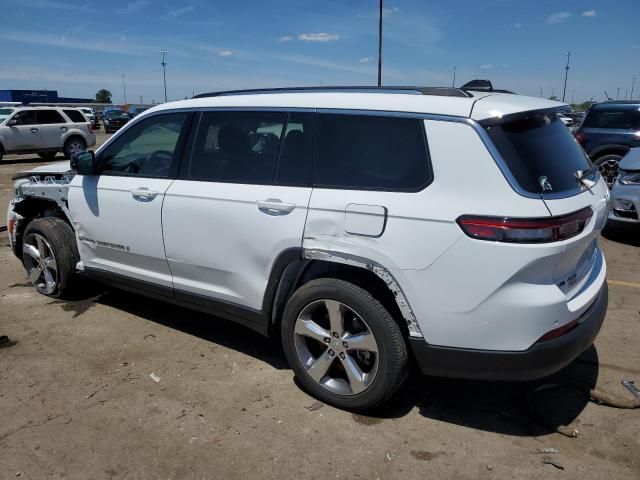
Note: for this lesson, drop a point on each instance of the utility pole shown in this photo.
(453, 84)
(141, 100)
(380, 45)
(164, 74)
(540, 92)
(618, 94)
(633, 84)
(566, 74)
(573, 92)
(124, 90)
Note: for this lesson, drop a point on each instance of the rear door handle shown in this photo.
(64, 129)
(144, 194)
(34, 130)
(274, 206)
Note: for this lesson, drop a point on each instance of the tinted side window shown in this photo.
(49, 116)
(371, 153)
(603, 118)
(236, 147)
(75, 116)
(25, 117)
(296, 153)
(146, 149)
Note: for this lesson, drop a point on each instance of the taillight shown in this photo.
(525, 230)
(579, 137)
(558, 332)
(90, 127)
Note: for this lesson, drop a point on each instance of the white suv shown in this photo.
(370, 227)
(45, 131)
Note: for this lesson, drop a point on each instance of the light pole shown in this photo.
(124, 90)
(618, 94)
(566, 74)
(633, 84)
(164, 74)
(453, 84)
(380, 45)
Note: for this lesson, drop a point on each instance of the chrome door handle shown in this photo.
(34, 130)
(64, 129)
(144, 194)
(273, 206)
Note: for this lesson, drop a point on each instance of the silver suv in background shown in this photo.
(45, 131)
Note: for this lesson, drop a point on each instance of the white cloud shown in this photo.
(180, 11)
(286, 38)
(364, 60)
(517, 25)
(486, 66)
(318, 37)
(589, 13)
(47, 4)
(226, 53)
(557, 17)
(389, 11)
(133, 7)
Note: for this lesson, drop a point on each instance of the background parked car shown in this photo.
(135, 111)
(568, 121)
(114, 119)
(607, 133)
(625, 193)
(90, 114)
(45, 131)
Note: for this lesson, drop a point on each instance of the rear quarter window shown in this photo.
(541, 153)
(75, 116)
(612, 118)
(368, 152)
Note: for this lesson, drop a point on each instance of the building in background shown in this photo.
(38, 96)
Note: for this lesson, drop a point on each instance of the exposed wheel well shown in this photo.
(74, 136)
(31, 208)
(298, 273)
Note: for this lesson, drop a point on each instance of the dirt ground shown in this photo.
(77, 399)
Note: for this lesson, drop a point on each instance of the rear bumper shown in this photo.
(540, 360)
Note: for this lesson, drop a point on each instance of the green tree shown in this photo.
(553, 97)
(103, 96)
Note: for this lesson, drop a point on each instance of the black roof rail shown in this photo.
(437, 91)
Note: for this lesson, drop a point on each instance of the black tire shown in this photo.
(62, 243)
(47, 155)
(608, 166)
(74, 144)
(392, 355)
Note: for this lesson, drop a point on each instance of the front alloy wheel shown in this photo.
(609, 168)
(40, 263)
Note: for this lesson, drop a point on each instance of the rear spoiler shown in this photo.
(488, 122)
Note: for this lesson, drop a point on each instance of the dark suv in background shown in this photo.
(607, 133)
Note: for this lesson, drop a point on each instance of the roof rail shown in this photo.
(438, 91)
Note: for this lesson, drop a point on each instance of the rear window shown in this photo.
(75, 116)
(620, 118)
(371, 153)
(541, 153)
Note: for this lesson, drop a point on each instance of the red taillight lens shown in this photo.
(579, 137)
(90, 127)
(558, 332)
(525, 230)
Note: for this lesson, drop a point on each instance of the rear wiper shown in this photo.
(581, 177)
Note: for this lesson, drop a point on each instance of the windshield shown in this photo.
(4, 112)
(115, 113)
(541, 153)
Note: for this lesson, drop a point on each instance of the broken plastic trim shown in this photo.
(382, 273)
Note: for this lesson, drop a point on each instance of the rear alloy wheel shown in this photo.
(74, 145)
(609, 167)
(49, 256)
(343, 345)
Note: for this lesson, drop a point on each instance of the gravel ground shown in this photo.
(77, 399)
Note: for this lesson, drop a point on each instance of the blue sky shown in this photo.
(80, 47)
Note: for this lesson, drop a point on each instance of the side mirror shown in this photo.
(84, 163)
(12, 123)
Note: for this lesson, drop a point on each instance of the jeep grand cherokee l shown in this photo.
(367, 227)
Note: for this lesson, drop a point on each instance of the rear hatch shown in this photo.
(546, 161)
